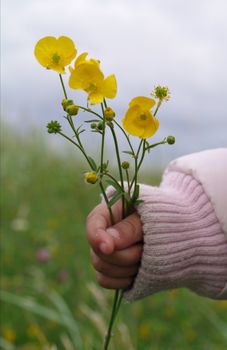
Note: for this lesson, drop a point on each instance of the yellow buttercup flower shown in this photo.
(138, 120)
(55, 53)
(88, 76)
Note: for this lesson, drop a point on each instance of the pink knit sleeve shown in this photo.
(184, 244)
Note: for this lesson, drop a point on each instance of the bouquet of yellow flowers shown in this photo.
(140, 120)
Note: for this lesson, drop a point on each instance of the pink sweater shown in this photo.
(185, 228)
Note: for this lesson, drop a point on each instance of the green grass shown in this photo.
(44, 204)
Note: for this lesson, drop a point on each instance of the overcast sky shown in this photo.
(182, 44)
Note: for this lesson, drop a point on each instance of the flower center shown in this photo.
(56, 58)
(92, 87)
(143, 117)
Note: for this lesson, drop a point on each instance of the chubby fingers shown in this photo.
(105, 238)
(118, 269)
(115, 250)
(111, 270)
(126, 232)
(122, 258)
(97, 222)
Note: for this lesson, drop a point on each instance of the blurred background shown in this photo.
(49, 296)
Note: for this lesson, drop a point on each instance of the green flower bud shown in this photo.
(109, 113)
(53, 127)
(125, 165)
(93, 125)
(100, 125)
(170, 140)
(91, 177)
(72, 109)
(65, 103)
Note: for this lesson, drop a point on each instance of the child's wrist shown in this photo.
(184, 245)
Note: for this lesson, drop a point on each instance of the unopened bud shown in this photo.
(100, 125)
(72, 109)
(125, 165)
(170, 140)
(93, 125)
(65, 103)
(91, 177)
(109, 113)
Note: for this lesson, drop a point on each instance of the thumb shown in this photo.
(127, 232)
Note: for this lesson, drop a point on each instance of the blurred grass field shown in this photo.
(49, 297)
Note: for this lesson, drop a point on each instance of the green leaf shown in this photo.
(93, 164)
(137, 202)
(128, 152)
(147, 145)
(127, 197)
(136, 192)
(114, 184)
(92, 121)
(97, 131)
(156, 144)
(79, 128)
(115, 198)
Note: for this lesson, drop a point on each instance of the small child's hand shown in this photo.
(115, 250)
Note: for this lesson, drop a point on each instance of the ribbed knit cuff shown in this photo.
(184, 245)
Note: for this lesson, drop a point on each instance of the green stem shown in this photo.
(128, 206)
(119, 168)
(111, 177)
(63, 86)
(69, 118)
(90, 111)
(127, 138)
(143, 154)
(107, 202)
(78, 146)
(128, 180)
(103, 141)
(119, 302)
(158, 106)
(156, 144)
(101, 171)
(134, 180)
(112, 318)
(68, 138)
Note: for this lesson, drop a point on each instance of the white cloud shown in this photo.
(174, 42)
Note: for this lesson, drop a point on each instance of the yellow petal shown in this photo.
(144, 102)
(110, 86)
(53, 53)
(44, 50)
(137, 126)
(129, 121)
(87, 76)
(81, 58)
(151, 128)
(66, 49)
(95, 97)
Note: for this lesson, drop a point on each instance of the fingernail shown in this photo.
(113, 232)
(104, 248)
